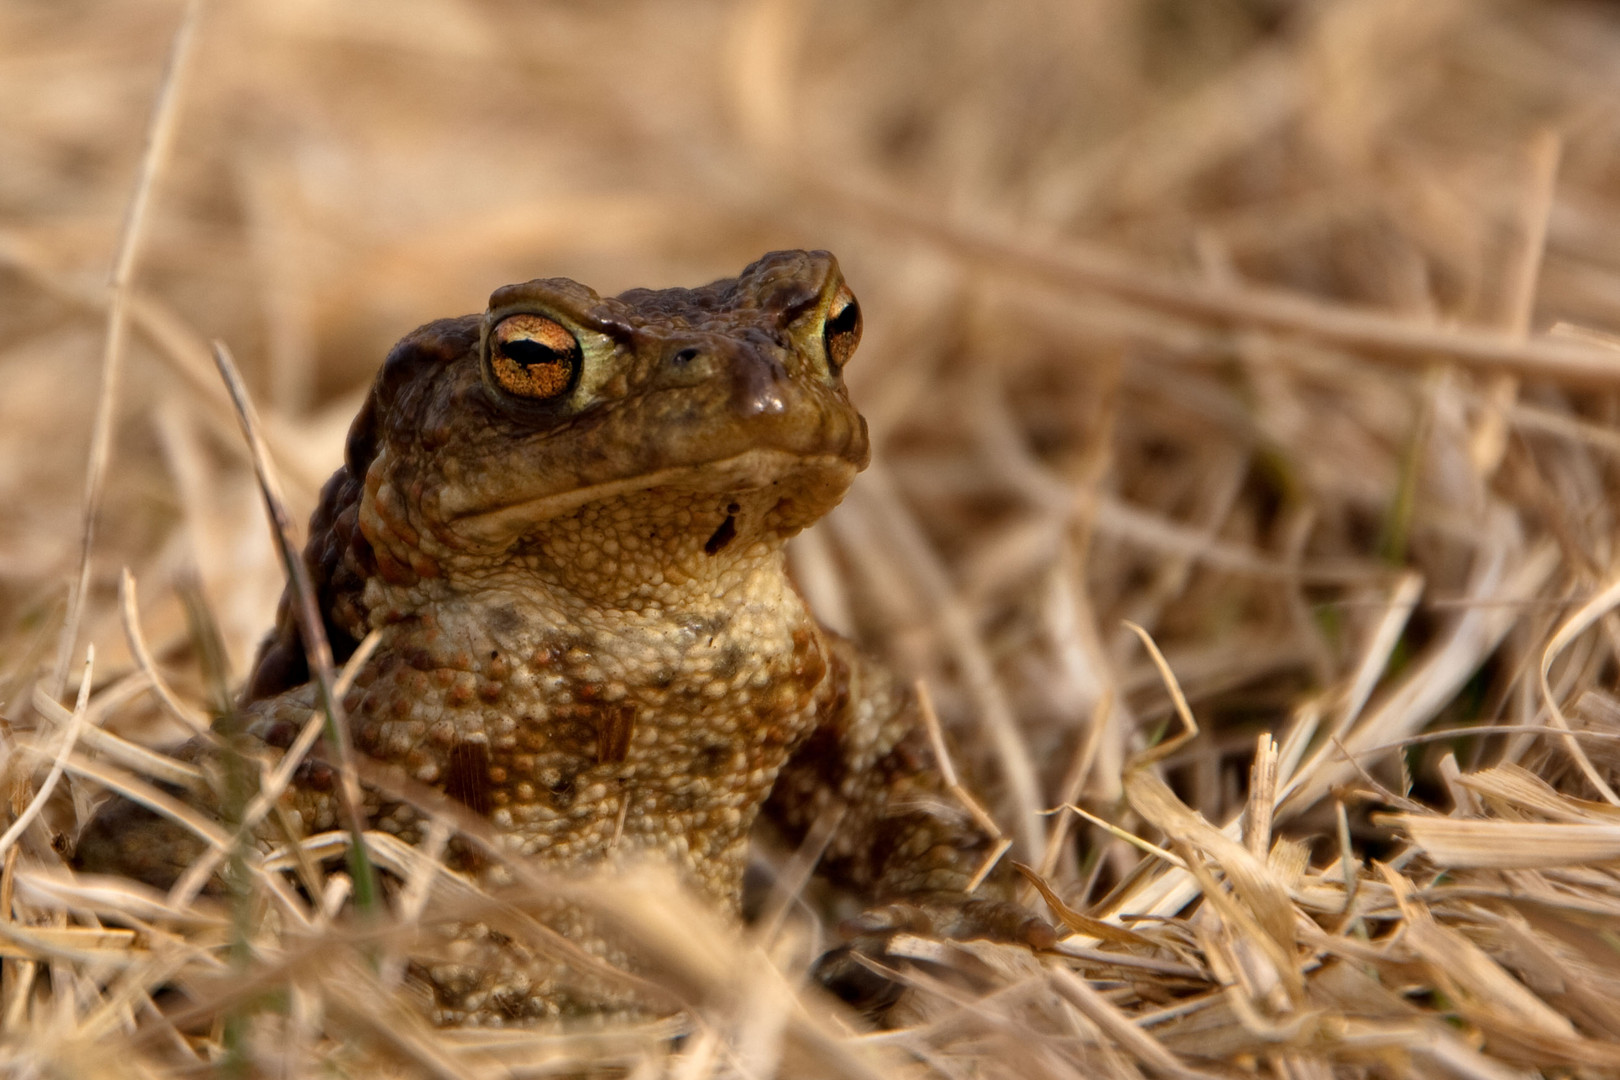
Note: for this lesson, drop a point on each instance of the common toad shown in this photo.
(565, 518)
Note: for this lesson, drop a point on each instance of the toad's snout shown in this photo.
(751, 389)
(749, 372)
(760, 384)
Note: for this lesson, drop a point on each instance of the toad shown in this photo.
(564, 518)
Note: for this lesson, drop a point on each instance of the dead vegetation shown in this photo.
(1284, 331)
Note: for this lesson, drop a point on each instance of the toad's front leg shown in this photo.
(903, 840)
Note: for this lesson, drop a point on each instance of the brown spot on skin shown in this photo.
(573, 729)
(504, 619)
(465, 858)
(315, 776)
(722, 536)
(712, 759)
(277, 733)
(466, 777)
(730, 661)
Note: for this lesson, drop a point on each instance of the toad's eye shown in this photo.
(533, 356)
(842, 330)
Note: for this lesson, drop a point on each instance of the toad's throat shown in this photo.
(807, 487)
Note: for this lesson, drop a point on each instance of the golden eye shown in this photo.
(533, 356)
(842, 330)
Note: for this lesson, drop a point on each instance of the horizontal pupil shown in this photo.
(528, 352)
(844, 321)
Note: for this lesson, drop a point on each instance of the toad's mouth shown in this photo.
(802, 487)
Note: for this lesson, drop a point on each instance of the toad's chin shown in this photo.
(799, 488)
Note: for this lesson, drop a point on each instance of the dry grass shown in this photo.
(1286, 331)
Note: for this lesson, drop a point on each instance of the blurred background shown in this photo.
(1230, 318)
(1284, 329)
